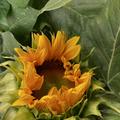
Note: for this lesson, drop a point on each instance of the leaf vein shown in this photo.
(113, 53)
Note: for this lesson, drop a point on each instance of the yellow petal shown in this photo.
(35, 40)
(85, 78)
(41, 55)
(71, 52)
(24, 100)
(73, 95)
(72, 41)
(19, 102)
(53, 91)
(26, 56)
(53, 103)
(20, 52)
(24, 91)
(23, 55)
(35, 37)
(58, 44)
(63, 89)
(31, 78)
(44, 42)
(69, 77)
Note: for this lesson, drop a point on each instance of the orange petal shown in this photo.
(72, 41)
(53, 103)
(53, 91)
(19, 102)
(35, 40)
(24, 100)
(26, 56)
(71, 52)
(41, 55)
(24, 91)
(23, 55)
(63, 89)
(44, 42)
(73, 95)
(85, 78)
(20, 52)
(31, 78)
(58, 44)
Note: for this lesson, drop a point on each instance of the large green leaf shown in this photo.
(99, 101)
(21, 22)
(98, 23)
(52, 5)
(3, 109)
(8, 88)
(21, 19)
(7, 38)
(73, 15)
(21, 113)
(10, 114)
(109, 114)
(24, 114)
(38, 4)
(4, 8)
(18, 3)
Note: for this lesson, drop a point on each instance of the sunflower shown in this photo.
(50, 80)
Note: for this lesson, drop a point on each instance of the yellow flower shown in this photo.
(51, 82)
(50, 51)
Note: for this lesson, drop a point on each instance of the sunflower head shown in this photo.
(50, 81)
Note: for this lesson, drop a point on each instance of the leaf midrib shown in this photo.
(113, 54)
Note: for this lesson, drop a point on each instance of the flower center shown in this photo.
(53, 73)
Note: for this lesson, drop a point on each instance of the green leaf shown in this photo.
(10, 114)
(38, 4)
(3, 109)
(8, 88)
(21, 113)
(97, 22)
(74, 15)
(100, 100)
(15, 67)
(72, 118)
(7, 38)
(45, 116)
(24, 114)
(109, 114)
(107, 45)
(18, 3)
(92, 108)
(4, 8)
(52, 5)
(21, 22)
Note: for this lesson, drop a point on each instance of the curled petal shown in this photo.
(31, 79)
(24, 56)
(40, 56)
(37, 56)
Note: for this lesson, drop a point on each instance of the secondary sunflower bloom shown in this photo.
(51, 82)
